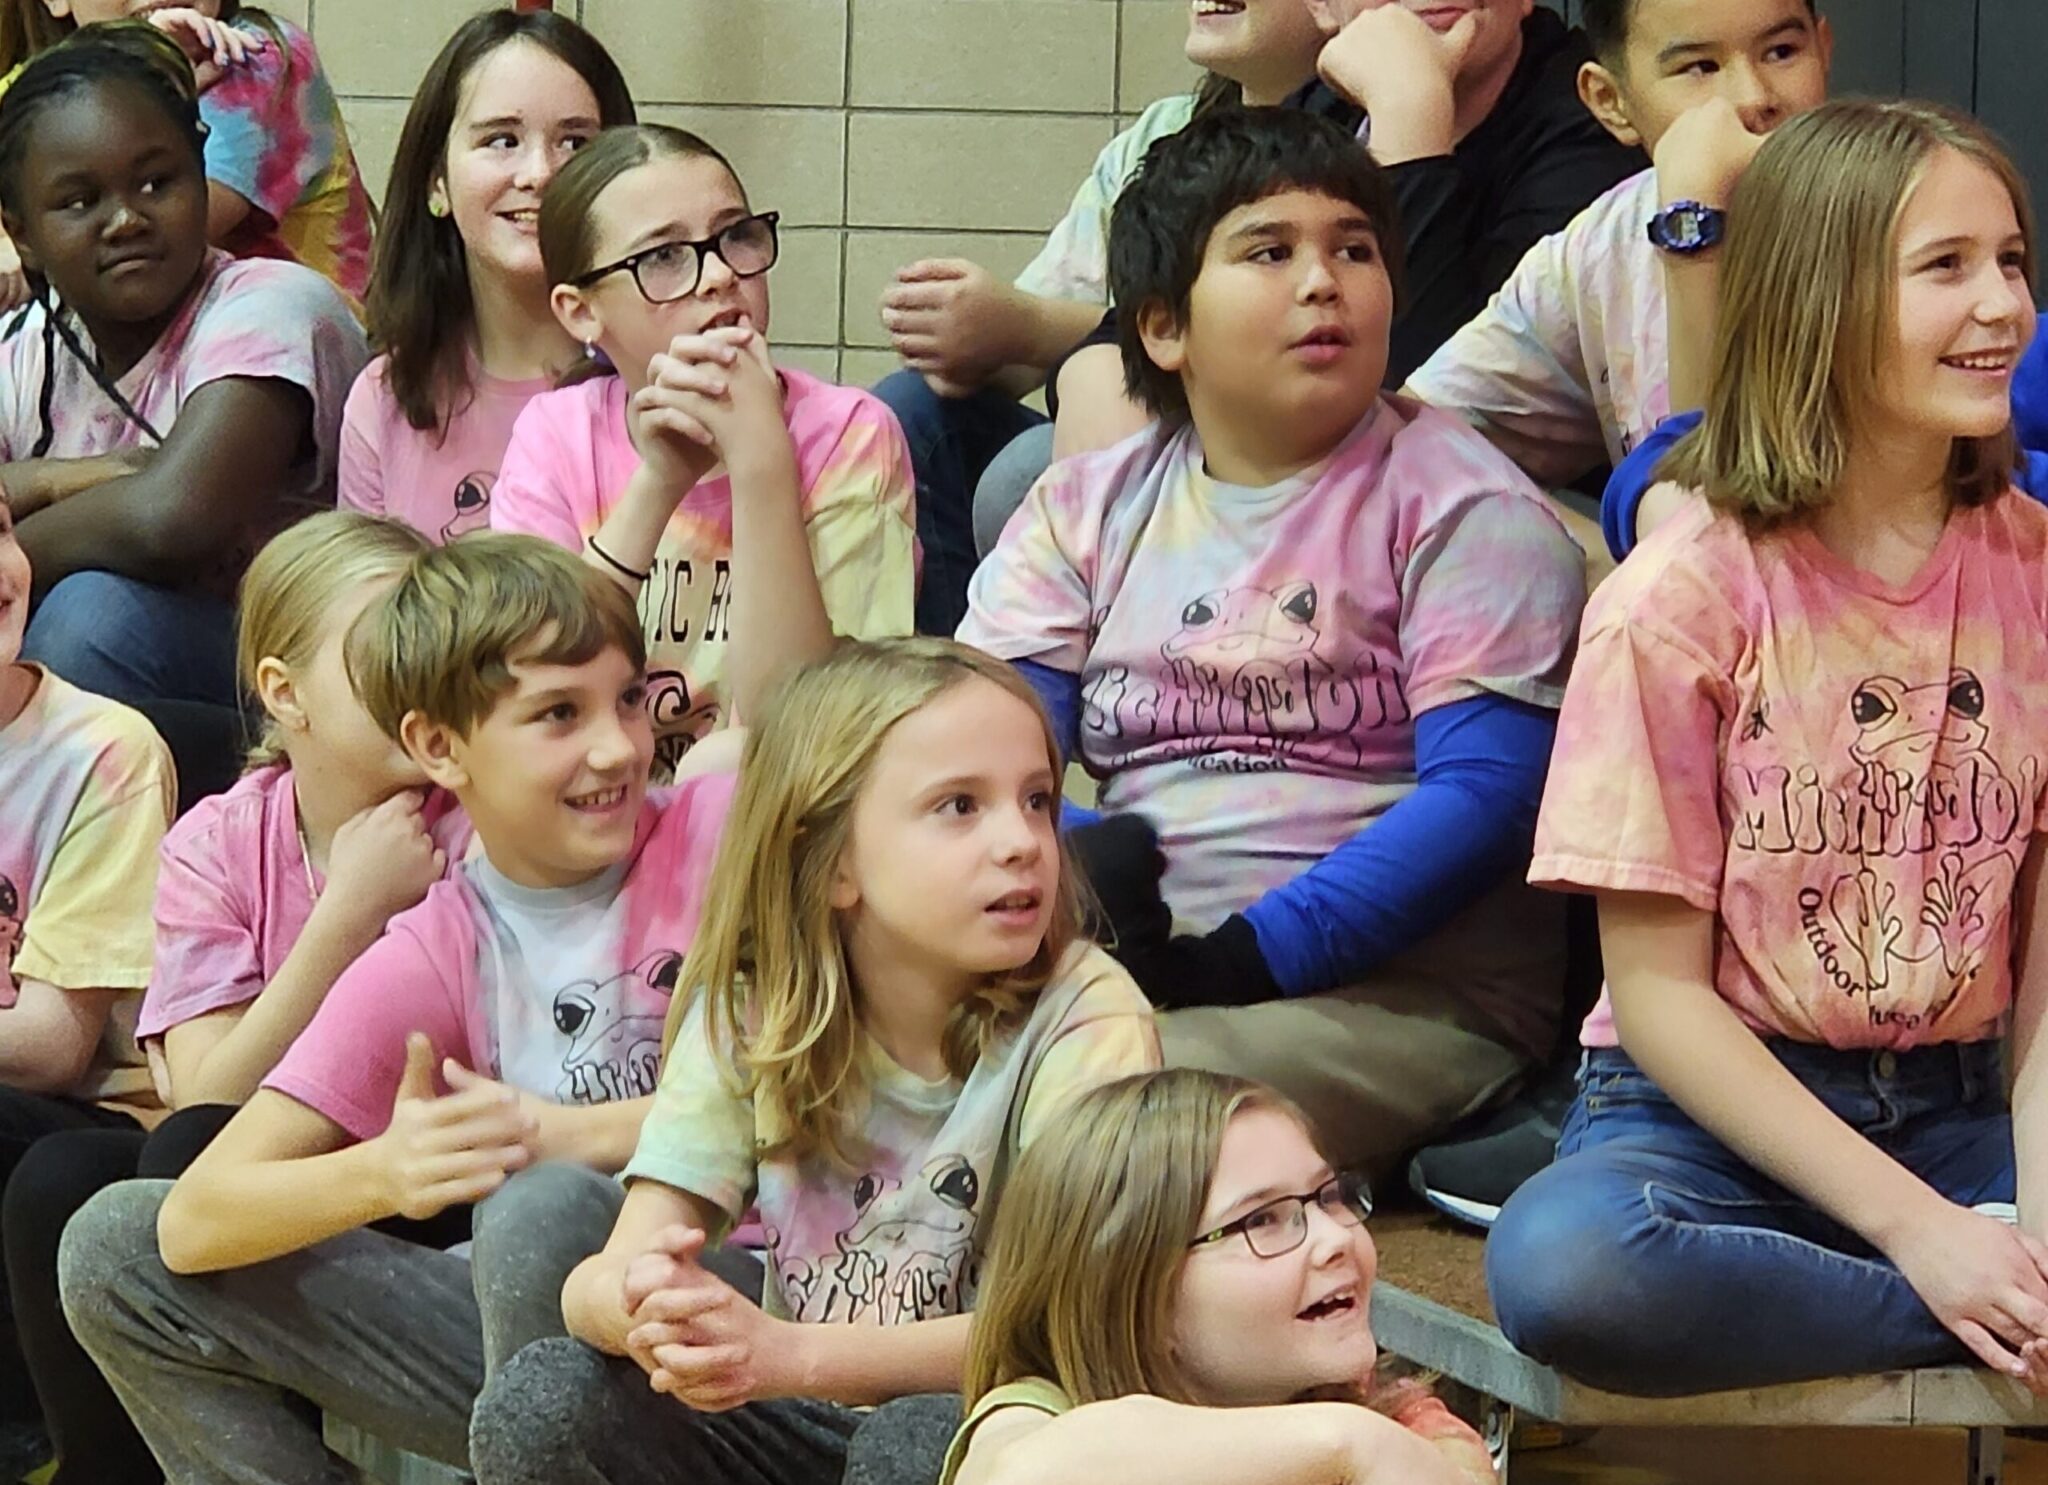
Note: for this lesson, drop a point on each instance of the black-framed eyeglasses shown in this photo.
(669, 271)
(1281, 1225)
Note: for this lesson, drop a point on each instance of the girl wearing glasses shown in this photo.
(749, 507)
(1177, 1291)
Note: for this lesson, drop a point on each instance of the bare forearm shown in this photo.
(1691, 300)
(235, 1066)
(601, 1136)
(779, 620)
(1052, 327)
(47, 1037)
(120, 525)
(33, 484)
(860, 1365)
(225, 1215)
(632, 532)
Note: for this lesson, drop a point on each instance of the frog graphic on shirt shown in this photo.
(10, 940)
(614, 1052)
(905, 1256)
(472, 505)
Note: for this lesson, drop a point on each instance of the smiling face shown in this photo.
(1965, 309)
(112, 206)
(523, 112)
(1284, 342)
(954, 862)
(1251, 1331)
(554, 777)
(1268, 47)
(673, 198)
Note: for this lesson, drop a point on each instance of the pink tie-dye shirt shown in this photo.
(276, 138)
(1252, 661)
(86, 791)
(1846, 773)
(435, 971)
(1569, 366)
(569, 462)
(234, 891)
(901, 1239)
(437, 481)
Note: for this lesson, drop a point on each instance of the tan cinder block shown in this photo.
(1013, 172)
(818, 360)
(1047, 55)
(804, 306)
(377, 49)
(872, 259)
(1152, 59)
(864, 368)
(727, 51)
(792, 160)
(373, 126)
(298, 12)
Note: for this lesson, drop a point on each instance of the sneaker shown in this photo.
(1471, 1178)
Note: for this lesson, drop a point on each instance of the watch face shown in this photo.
(1686, 227)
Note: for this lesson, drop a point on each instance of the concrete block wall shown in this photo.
(882, 130)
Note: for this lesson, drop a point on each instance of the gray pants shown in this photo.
(561, 1413)
(225, 1374)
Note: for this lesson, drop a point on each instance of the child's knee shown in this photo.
(538, 1418)
(112, 1236)
(546, 1199)
(1558, 1274)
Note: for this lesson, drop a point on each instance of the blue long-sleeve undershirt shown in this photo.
(1480, 766)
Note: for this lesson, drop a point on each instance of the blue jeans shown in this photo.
(1651, 1259)
(952, 440)
(134, 641)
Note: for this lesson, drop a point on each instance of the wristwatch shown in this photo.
(1688, 227)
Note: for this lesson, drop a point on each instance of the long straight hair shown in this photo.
(769, 955)
(421, 310)
(1810, 304)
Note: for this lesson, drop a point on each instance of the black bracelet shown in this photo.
(612, 562)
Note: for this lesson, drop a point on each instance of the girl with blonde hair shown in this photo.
(1178, 1292)
(887, 998)
(1799, 766)
(264, 895)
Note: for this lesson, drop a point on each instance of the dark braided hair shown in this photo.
(132, 52)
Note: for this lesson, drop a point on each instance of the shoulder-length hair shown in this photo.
(1809, 307)
(420, 308)
(770, 955)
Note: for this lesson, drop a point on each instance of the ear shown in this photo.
(436, 748)
(575, 314)
(11, 224)
(1824, 38)
(1601, 92)
(58, 9)
(1160, 331)
(1324, 13)
(278, 691)
(845, 890)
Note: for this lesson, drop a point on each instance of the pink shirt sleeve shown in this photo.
(207, 955)
(536, 493)
(364, 419)
(421, 976)
(1032, 598)
(1633, 799)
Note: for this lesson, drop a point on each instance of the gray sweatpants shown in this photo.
(225, 1374)
(562, 1413)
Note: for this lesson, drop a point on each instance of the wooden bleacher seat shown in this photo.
(1430, 1307)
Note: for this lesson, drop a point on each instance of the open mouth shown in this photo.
(1983, 362)
(601, 802)
(1330, 335)
(1204, 9)
(1442, 17)
(728, 319)
(526, 218)
(1330, 1306)
(1020, 904)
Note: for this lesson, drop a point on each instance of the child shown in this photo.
(747, 507)
(890, 980)
(1820, 693)
(88, 790)
(1156, 1315)
(533, 982)
(281, 179)
(1566, 370)
(264, 895)
(458, 298)
(1276, 626)
(174, 407)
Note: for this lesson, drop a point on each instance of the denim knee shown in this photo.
(539, 1418)
(1561, 1279)
(920, 410)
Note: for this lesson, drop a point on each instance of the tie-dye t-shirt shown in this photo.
(1252, 661)
(86, 791)
(1846, 773)
(438, 482)
(590, 1018)
(246, 318)
(1569, 366)
(234, 891)
(1074, 263)
(275, 137)
(569, 462)
(901, 1239)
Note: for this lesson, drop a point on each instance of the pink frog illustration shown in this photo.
(1924, 772)
(1249, 656)
(904, 1257)
(614, 1050)
(10, 940)
(472, 505)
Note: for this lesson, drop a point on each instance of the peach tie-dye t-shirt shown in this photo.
(1845, 772)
